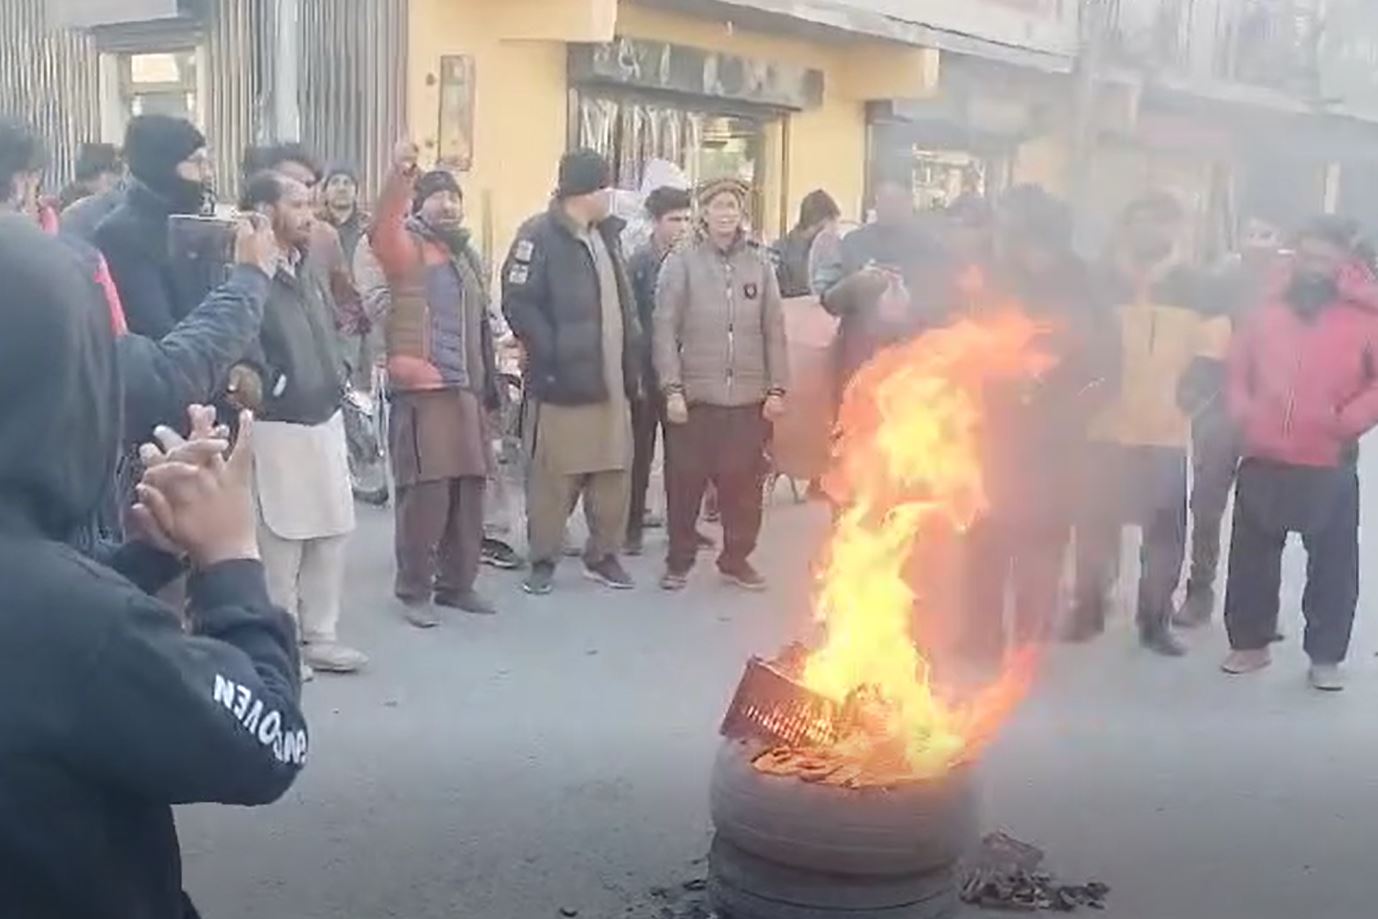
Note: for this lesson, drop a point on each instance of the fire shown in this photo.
(907, 469)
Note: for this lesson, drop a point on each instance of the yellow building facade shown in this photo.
(520, 104)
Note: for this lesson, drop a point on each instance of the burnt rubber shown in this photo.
(744, 878)
(909, 829)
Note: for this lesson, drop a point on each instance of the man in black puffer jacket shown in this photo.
(113, 712)
(567, 297)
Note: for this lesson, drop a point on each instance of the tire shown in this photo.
(741, 872)
(909, 829)
(742, 886)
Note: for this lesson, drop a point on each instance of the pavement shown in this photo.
(556, 757)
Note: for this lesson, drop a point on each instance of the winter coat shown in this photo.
(82, 218)
(297, 356)
(1165, 329)
(1303, 390)
(643, 269)
(134, 239)
(850, 293)
(436, 322)
(719, 329)
(116, 713)
(553, 302)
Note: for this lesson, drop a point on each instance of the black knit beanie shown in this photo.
(437, 180)
(583, 172)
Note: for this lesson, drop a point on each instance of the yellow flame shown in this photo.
(907, 466)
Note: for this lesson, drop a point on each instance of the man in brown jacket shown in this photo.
(720, 355)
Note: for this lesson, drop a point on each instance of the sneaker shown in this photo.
(610, 573)
(743, 576)
(1247, 661)
(333, 657)
(674, 580)
(653, 521)
(470, 601)
(499, 554)
(541, 580)
(420, 614)
(634, 545)
(1160, 640)
(1196, 609)
(1326, 677)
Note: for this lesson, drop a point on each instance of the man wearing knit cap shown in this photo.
(170, 173)
(568, 299)
(441, 377)
(722, 363)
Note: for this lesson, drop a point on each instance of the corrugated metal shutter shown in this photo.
(236, 101)
(50, 80)
(353, 89)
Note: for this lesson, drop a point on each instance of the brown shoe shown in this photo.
(1247, 661)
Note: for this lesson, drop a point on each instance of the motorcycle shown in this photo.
(365, 435)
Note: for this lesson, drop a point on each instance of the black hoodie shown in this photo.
(111, 713)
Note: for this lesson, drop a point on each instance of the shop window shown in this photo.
(632, 131)
(157, 83)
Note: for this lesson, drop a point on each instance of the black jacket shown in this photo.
(82, 218)
(114, 713)
(297, 355)
(553, 302)
(643, 268)
(134, 238)
(188, 365)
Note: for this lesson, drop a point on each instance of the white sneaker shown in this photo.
(333, 657)
(1326, 677)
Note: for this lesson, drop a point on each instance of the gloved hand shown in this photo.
(676, 409)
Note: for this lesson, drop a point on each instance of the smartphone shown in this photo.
(202, 247)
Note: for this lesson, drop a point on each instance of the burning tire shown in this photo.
(905, 830)
(743, 886)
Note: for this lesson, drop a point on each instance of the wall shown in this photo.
(520, 111)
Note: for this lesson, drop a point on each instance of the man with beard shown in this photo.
(441, 376)
(170, 173)
(115, 711)
(1303, 388)
(1137, 469)
(301, 467)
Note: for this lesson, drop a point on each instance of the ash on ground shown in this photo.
(1005, 874)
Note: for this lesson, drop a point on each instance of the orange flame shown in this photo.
(907, 467)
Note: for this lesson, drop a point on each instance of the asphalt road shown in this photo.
(556, 756)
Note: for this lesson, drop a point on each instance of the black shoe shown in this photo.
(541, 580)
(610, 573)
(1196, 609)
(499, 554)
(1160, 640)
(743, 575)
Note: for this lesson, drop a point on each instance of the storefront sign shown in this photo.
(671, 68)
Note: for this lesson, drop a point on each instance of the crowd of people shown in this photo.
(175, 427)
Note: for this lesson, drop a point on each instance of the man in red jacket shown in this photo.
(1303, 387)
